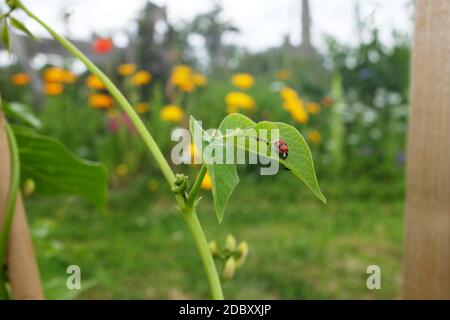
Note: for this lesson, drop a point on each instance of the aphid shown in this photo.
(282, 148)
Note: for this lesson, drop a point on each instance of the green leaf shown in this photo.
(299, 159)
(55, 170)
(224, 177)
(20, 26)
(22, 113)
(235, 121)
(6, 38)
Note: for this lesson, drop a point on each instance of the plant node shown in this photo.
(181, 184)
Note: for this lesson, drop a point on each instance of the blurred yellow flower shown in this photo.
(242, 80)
(292, 104)
(183, 78)
(300, 115)
(126, 69)
(199, 79)
(232, 109)
(236, 100)
(283, 74)
(141, 78)
(101, 101)
(288, 93)
(188, 86)
(122, 170)
(207, 182)
(313, 107)
(20, 79)
(94, 82)
(142, 107)
(53, 89)
(194, 154)
(171, 113)
(182, 69)
(314, 136)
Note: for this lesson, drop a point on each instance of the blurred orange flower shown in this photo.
(314, 136)
(94, 82)
(243, 80)
(69, 77)
(20, 79)
(141, 78)
(53, 89)
(142, 107)
(313, 107)
(58, 75)
(101, 101)
(126, 69)
(283, 74)
(54, 74)
(327, 101)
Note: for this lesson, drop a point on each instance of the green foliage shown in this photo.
(6, 37)
(224, 176)
(20, 26)
(337, 129)
(55, 170)
(22, 113)
(299, 161)
(320, 251)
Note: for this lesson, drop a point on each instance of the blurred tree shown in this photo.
(151, 40)
(212, 28)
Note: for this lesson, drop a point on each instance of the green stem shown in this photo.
(188, 212)
(196, 187)
(190, 216)
(10, 206)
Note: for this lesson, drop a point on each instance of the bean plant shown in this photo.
(224, 177)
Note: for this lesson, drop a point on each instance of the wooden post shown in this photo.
(22, 269)
(427, 256)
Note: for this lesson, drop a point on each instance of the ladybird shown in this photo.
(282, 148)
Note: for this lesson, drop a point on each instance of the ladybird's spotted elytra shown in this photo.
(282, 148)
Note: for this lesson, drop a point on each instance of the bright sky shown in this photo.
(262, 22)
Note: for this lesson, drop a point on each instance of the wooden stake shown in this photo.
(427, 256)
(21, 262)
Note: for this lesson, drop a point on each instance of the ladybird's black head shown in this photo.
(283, 155)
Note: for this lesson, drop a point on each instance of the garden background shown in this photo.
(350, 102)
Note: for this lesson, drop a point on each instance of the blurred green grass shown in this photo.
(299, 248)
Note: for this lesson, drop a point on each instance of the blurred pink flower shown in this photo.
(113, 124)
